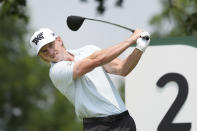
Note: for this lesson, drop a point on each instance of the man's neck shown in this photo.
(67, 56)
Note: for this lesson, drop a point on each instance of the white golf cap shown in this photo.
(41, 37)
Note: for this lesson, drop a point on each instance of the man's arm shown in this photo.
(104, 56)
(124, 67)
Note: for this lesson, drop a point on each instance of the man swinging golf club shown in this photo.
(81, 75)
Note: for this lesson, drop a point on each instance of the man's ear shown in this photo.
(43, 58)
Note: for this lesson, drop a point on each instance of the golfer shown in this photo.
(82, 76)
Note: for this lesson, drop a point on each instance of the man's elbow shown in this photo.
(124, 74)
(119, 70)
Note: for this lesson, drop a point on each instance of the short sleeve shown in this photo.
(61, 73)
(89, 49)
(94, 48)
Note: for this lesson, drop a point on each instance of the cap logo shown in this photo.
(53, 34)
(38, 38)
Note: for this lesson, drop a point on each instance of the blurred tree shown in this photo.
(180, 16)
(14, 8)
(121, 90)
(28, 101)
(101, 5)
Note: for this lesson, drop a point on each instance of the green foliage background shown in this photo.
(179, 15)
(28, 100)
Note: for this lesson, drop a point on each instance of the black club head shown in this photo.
(75, 22)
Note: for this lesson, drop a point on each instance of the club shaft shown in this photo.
(111, 24)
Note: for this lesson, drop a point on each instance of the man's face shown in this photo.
(51, 51)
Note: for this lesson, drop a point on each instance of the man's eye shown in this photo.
(44, 51)
(50, 45)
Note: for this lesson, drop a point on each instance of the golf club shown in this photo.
(75, 22)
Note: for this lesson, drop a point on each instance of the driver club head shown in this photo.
(75, 22)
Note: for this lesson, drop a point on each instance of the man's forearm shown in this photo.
(108, 54)
(131, 61)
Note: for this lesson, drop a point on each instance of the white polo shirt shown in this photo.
(93, 94)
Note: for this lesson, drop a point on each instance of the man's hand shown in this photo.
(133, 38)
(143, 41)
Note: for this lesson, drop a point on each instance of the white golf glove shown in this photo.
(143, 41)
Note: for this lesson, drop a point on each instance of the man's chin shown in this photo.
(55, 60)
